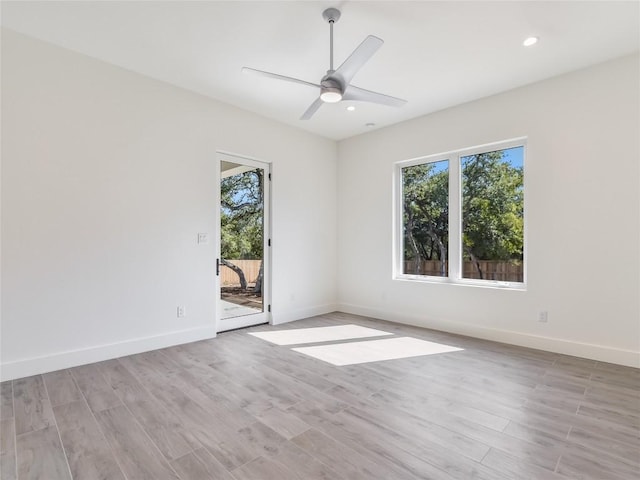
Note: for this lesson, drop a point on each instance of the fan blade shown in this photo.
(278, 77)
(313, 108)
(362, 95)
(358, 58)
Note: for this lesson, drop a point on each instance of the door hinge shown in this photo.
(269, 177)
(269, 243)
(269, 308)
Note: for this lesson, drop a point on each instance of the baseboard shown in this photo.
(57, 361)
(293, 315)
(601, 353)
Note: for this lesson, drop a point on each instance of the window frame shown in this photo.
(454, 249)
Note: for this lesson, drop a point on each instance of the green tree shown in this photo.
(492, 209)
(242, 220)
(426, 214)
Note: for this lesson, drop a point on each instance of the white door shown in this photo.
(243, 261)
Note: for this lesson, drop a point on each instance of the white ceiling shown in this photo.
(436, 54)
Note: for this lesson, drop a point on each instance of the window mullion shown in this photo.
(455, 219)
(398, 213)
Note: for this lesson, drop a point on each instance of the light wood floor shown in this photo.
(238, 407)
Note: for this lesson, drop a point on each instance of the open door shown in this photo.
(243, 263)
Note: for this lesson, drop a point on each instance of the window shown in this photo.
(425, 193)
(461, 216)
(493, 215)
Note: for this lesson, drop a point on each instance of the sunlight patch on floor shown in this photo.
(374, 350)
(318, 334)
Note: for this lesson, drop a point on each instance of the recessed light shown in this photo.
(351, 108)
(530, 41)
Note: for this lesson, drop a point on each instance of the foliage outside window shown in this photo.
(493, 215)
(242, 222)
(425, 190)
(241, 215)
(462, 216)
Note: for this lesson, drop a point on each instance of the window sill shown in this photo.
(462, 282)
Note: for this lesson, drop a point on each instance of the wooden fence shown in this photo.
(251, 269)
(491, 269)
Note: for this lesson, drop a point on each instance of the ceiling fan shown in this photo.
(336, 84)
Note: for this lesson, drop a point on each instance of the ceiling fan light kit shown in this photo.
(330, 94)
(336, 85)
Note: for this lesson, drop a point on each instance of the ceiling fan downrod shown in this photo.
(331, 15)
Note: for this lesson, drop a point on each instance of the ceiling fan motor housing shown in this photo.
(332, 81)
(331, 89)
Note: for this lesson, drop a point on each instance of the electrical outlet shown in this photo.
(181, 312)
(543, 316)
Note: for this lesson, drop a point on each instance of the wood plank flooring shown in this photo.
(240, 408)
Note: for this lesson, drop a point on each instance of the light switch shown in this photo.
(203, 238)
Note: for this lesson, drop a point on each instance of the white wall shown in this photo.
(107, 177)
(582, 206)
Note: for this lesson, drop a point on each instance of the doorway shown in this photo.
(243, 261)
